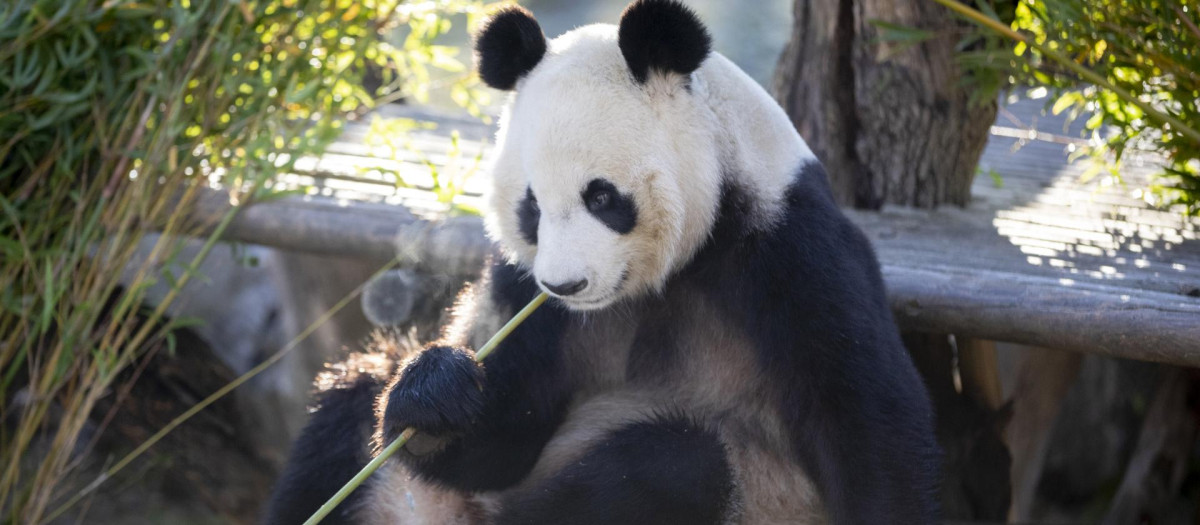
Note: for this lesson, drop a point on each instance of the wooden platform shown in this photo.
(1039, 257)
(1046, 259)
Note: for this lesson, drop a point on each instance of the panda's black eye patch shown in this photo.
(612, 208)
(599, 201)
(528, 215)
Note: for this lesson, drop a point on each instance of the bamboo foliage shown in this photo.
(113, 114)
(1130, 66)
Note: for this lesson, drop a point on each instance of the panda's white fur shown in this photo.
(577, 117)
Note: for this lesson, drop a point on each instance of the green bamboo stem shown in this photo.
(408, 433)
(1078, 69)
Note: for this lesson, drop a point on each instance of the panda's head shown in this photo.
(607, 177)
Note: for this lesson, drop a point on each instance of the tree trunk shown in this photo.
(891, 125)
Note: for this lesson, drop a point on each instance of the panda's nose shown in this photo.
(566, 289)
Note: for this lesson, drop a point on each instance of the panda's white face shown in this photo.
(616, 145)
(603, 186)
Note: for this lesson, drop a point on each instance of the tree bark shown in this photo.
(891, 125)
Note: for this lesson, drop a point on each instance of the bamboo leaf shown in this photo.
(896, 33)
(47, 299)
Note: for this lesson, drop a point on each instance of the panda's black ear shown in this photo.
(508, 46)
(662, 35)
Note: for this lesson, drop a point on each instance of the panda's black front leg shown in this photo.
(668, 470)
(479, 426)
(482, 426)
(439, 393)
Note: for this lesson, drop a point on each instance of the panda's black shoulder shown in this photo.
(814, 220)
(810, 234)
(810, 276)
(808, 292)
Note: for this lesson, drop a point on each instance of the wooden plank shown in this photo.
(1163, 257)
(453, 246)
(1040, 311)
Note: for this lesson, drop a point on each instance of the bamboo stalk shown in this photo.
(408, 433)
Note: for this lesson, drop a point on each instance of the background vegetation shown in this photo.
(114, 117)
(1131, 66)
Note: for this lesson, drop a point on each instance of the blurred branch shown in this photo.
(214, 397)
(1188, 22)
(1161, 459)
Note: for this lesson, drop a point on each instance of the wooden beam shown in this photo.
(455, 246)
(1036, 310)
(1041, 311)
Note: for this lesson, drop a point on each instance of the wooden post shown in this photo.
(980, 375)
(1043, 379)
(976, 463)
(1164, 450)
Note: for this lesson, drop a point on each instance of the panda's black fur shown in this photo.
(524, 397)
(805, 294)
(662, 36)
(679, 457)
(329, 451)
(811, 295)
(514, 35)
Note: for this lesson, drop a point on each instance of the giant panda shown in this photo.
(717, 347)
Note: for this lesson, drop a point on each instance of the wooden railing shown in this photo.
(1039, 257)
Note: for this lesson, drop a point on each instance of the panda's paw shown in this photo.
(439, 393)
